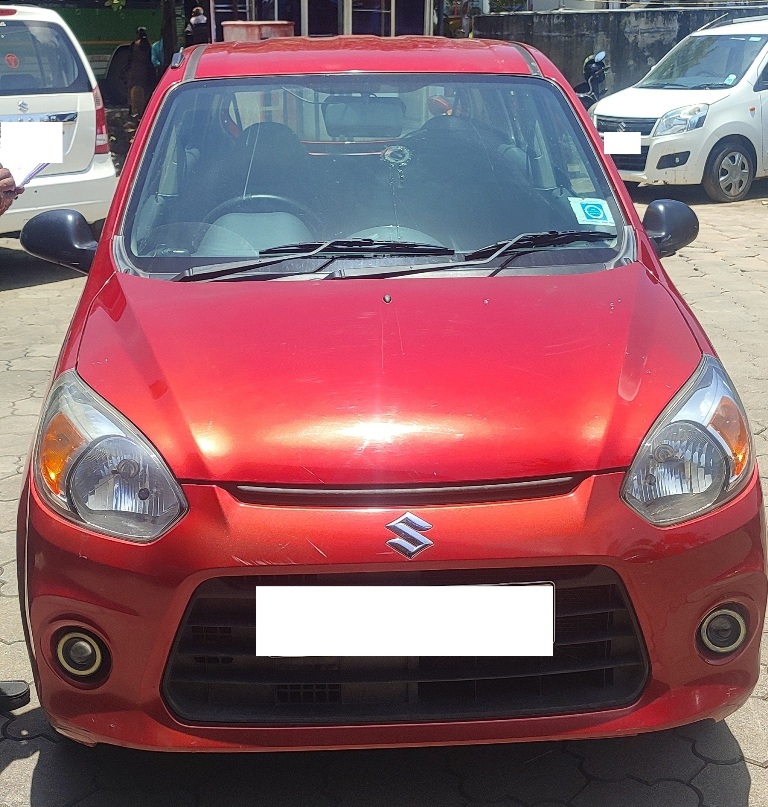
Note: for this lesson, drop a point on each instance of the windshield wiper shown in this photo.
(290, 252)
(711, 85)
(663, 85)
(525, 242)
(548, 238)
(343, 246)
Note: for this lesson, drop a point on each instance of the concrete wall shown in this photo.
(634, 39)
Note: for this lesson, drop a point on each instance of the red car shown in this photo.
(379, 423)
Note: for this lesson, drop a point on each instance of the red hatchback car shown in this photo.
(379, 423)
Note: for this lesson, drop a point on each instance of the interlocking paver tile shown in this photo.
(726, 786)
(631, 793)
(409, 779)
(7, 537)
(44, 774)
(713, 742)
(10, 620)
(750, 727)
(487, 771)
(556, 776)
(649, 757)
(9, 586)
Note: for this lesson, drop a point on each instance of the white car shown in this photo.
(702, 113)
(45, 77)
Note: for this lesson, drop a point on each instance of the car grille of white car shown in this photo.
(214, 676)
(631, 162)
(642, 125)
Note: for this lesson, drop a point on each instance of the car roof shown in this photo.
(757, 26)
(342, 54)
(29, 13)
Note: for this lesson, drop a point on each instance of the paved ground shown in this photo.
(724, 275)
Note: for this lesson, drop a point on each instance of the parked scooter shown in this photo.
(590, 90)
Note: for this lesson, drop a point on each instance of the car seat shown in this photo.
(273, 202)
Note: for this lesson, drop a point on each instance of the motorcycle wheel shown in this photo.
(729, 172)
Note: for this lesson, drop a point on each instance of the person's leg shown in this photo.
(13, 695)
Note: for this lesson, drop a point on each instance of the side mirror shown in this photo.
(600, 56)
(60, 236)
(671, 225)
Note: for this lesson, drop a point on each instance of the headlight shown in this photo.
(684, 119)
(697, 455)
(95, 468)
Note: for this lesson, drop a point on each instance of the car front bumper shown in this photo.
(135, 597)
(677, 159)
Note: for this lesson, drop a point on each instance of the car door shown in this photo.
(761, 91)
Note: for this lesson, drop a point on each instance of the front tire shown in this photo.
(729, 172)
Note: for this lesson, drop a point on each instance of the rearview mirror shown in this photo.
(60, 236)
(671, 225)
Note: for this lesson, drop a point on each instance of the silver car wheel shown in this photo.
(734, 173)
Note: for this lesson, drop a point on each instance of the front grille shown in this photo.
(632, 162)
(214, 676)
(642, 125)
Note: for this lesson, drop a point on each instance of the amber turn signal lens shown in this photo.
(728, 422)
(59, 443)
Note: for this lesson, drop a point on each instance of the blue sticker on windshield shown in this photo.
(591, 211)
(729, 79)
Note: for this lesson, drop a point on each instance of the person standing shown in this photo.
(141, 73)
(13, 694)
(197, 31)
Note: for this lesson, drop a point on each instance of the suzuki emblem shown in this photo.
(408, 529)
(23, 106)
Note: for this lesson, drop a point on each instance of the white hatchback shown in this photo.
(45, 76)
(701, 113)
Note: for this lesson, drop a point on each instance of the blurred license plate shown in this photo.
(492, 620)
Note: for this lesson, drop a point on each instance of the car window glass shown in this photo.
(38, 57)
(762, 81)
(239, 166)
(706, 60)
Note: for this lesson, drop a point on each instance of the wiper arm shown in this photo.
(342, 246)
(664, 85)
(711, 85)
(217, 270)
(289, 252)
(548, 238)
(525, 242)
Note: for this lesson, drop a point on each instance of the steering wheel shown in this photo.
(264, 203)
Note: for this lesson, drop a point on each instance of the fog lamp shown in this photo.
(723, 630)
(80, 654)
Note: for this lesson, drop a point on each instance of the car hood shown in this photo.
(635, 102)
(409, 381)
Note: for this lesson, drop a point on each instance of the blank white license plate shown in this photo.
(484, 620)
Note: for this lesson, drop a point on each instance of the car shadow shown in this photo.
(19, 270)
(698, 764)
(690, 194)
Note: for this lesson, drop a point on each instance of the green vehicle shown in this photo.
(105, 31)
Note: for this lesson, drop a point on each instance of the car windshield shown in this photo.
(703, 62)
(368, 168)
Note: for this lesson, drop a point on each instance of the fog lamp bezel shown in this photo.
(724, 610)
(98, 670)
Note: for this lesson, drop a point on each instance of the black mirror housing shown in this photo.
(671, 225)
(60, 236)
